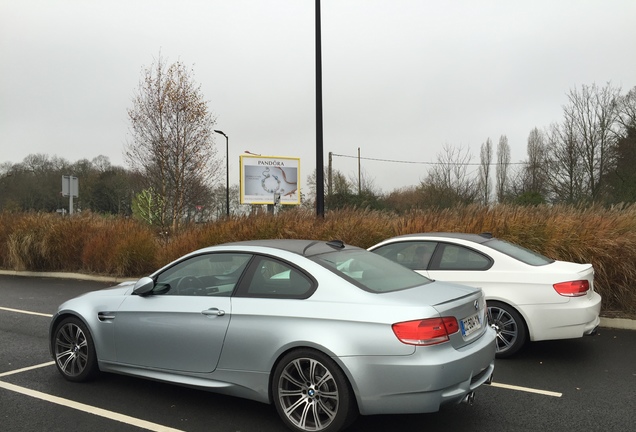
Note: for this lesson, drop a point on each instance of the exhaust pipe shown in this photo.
(469, 398)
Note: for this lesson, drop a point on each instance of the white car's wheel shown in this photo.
(311, 393)
(510, 327)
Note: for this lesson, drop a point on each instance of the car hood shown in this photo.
(120, 289)
(123, 288)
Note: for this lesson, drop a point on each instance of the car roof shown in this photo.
(301, 247)
(476, 238)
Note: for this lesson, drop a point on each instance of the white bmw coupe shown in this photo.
(529, 296)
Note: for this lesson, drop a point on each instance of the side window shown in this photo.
(415, 255)
(271, 278)
(454, 257)
(214, 274)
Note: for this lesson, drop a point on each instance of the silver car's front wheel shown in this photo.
(311, 393)
(74, 350)
(510, 327)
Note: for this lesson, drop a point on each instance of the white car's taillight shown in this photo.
(573, 288)
(427, 331)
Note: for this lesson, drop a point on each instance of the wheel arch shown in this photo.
(319, 349)
(57, 319)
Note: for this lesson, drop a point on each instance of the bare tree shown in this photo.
(592, 116)
(627, 111)
(621, 180)
(448, 182)
(503, 165)
(534, 170)
(363, 183)
(172, 142)
(485, 160)
(339, 183)
(101, 163)
(565, 178)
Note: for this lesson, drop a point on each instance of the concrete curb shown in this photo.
(615, 323)
(618, 323)
(63, 275)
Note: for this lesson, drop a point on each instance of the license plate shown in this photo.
(470, 324)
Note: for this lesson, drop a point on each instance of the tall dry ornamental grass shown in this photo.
(83, 243)
(122, 247)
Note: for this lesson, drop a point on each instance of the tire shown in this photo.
(311, 393)
(74, 350)
(510, 327)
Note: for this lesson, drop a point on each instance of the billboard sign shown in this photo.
(269, 180)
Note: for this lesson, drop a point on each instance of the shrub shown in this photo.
(605, 237)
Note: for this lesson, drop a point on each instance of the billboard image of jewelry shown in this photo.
(265, 178)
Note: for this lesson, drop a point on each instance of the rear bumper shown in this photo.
(421, 382)
(574, 319)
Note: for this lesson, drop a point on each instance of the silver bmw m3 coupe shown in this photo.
(322, 330)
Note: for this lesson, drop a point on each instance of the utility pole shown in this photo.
(330, 176)
(359, 183)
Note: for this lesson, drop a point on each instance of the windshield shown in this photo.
(370, 271)
(518, 252)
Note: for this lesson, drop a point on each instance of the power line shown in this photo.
(422, 163)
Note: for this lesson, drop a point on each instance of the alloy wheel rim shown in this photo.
(308, 394)
(71, 349)
(505, 327)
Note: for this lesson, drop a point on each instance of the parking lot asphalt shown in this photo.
(571, 385)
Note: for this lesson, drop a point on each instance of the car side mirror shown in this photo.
(144, 286)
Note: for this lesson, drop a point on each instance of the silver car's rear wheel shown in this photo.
(311, 393)
(510, 327)
(74, 350)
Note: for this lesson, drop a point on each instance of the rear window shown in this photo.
(518, 252)
(370, 271)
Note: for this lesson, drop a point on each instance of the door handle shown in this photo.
(213, 312)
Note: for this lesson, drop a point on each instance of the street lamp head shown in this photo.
(227, 171)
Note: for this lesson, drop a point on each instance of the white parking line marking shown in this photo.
(526, 389)
(26, 312)
(142, 423)
(89, 409)
(51, 363)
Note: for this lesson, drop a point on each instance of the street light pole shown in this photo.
(227, 171)
(320, 173)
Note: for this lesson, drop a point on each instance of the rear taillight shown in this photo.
(573, 288)
(427, 331)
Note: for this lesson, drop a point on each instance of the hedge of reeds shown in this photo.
(122, 247)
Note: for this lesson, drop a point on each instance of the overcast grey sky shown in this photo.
(401, 78)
